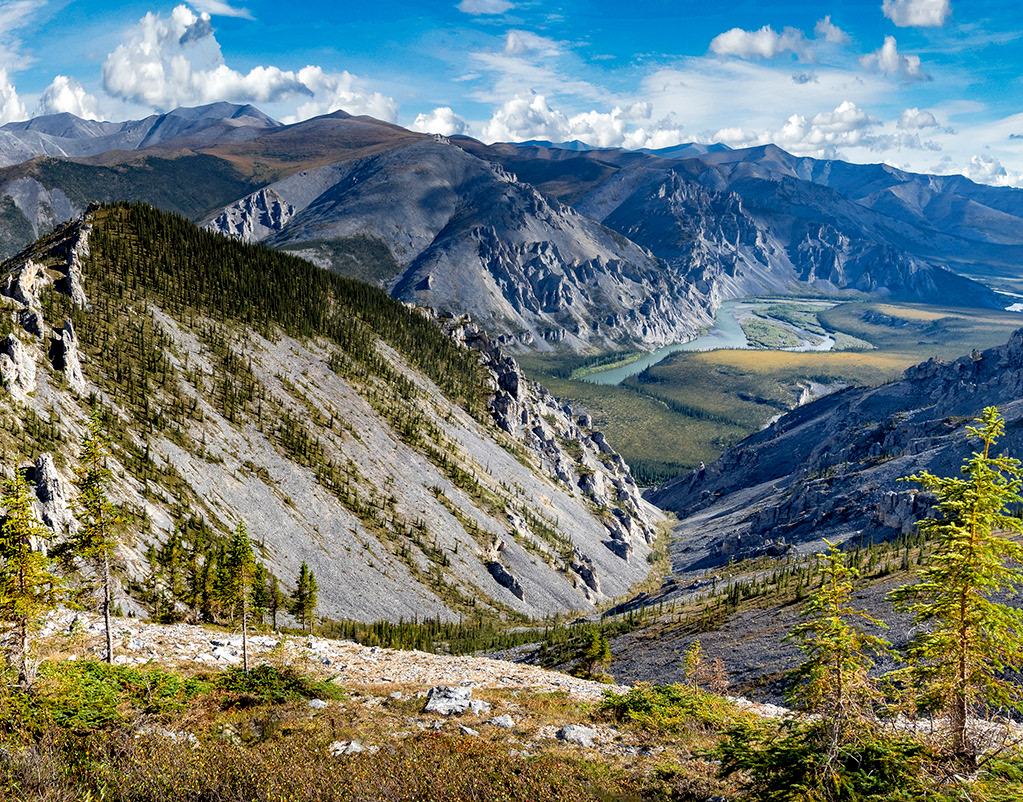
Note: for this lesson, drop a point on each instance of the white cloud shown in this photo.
(177, 61)
(888, 60)
(479, 7)
(765, 43)
(917, 13)
(987, 169)
(14, 15)
(11, 107)
(218, 8)
(517, 43)
(827, 134)
(441, 120)
(914, 118)
(824, 29)
(524, 118)
(65, 94)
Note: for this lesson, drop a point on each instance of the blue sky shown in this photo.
(927, 85)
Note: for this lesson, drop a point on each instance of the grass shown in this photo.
(692, 405)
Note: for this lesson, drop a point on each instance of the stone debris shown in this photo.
(448, 701)
(352, 665)
(505, 721)
(467, 730)
(317, 704)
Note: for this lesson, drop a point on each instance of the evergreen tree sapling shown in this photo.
(239, 573)
(97, 516)
(834, 681)
(968, 641)
(303, 600)
(27, 587)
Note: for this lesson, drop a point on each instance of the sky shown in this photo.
(933, 86)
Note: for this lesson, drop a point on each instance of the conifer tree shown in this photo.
(303, 600)
(834, 681)
(27, 587)
(97, 516)
(240, 571)
(969, 641)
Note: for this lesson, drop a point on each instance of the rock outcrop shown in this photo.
(17, 368)
(67, 357)
(571, 451)
(54, 501)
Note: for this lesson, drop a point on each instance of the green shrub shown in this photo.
(801, 765)
(670, 708)
(269, 685)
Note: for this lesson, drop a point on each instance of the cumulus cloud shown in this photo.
(983, 169)
(914, 118)
(917, 13)
(441, 120)
(524, 118)
(765, 43)
(11, 107)
(824, 29)
(480, 7)
(889, 61)
(826, 134)
(65, 94)
(177, 61)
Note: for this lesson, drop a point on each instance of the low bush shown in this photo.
(670, 708)
(268, 685)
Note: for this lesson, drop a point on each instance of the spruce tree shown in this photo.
(968, 641)
(834, 681)
(97, 516)
(27, 587)
(239, 572)
(303, 600)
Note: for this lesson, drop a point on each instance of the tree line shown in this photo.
(221, 581)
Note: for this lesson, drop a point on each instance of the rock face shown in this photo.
(576, 456)
(17, 369)
(54, 502)
(254, 218)
(69, 360)
(830, 468)
(467, 236)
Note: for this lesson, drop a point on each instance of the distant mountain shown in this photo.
(464, 236)
(65, 135)
(549, 244)
(406, 460)
(830, 469)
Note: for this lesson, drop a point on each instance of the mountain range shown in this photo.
(548, 246)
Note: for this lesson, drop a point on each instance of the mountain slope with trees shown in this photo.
(413, 470)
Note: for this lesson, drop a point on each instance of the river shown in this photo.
(725, 333)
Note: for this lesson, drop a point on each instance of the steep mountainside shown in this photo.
(463, 235)
(417, 472)
(830, 468)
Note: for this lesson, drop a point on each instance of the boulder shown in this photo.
(448, 700)
(577, 734)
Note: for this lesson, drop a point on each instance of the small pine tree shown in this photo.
(239, 569)
(596, 655)
(834, 681)
(969, 642)
(27, 587)
(303, 600)
(97, 517)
